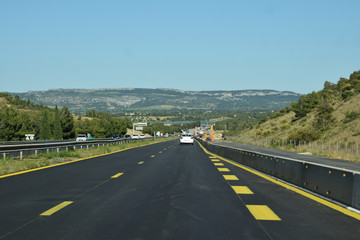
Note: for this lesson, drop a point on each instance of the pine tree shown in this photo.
(45, 131)
(58, 132)
(67, 123)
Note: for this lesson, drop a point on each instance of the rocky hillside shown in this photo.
(116, 100)
(332, 114)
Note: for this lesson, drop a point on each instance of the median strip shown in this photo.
(56, 208)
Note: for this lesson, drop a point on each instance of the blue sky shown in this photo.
(189, 45)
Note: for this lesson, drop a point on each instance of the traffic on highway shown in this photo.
(162, 191)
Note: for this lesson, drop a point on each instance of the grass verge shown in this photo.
(13, 165)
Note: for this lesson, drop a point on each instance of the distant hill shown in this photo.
(142, 99)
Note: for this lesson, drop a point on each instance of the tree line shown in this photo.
(19, 117)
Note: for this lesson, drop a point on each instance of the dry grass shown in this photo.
(339, 133)
(350, 152)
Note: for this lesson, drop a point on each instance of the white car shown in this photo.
(135, 136)
(186, 138)
(142, 136)
(81, 137)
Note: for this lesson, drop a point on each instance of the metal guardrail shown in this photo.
(341, 185)
(28, 148)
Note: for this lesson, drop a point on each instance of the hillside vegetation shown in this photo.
(331, 115)
(19, 117)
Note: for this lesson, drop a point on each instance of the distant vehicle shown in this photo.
(135, 136)
(81, 137)
(127, 136)
(186, 138)
(89, 137)
(115, 136)
(142, 136)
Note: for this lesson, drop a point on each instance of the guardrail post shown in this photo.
(21, 155)
(57, 149)
(36, 152)
(87, 146)
(4, 155)
(47, 150)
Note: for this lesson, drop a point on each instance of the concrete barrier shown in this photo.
(334, 183)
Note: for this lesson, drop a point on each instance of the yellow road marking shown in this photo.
(160, 152)
(140, 163)
(230, 177)
(223, 169)
(215, 160)
(152, 156)
(212, 157)
(56, 208)
(262, 212)
(76, 160)
(294, 189)
(117, 175)
(242, 190)
(218, 164)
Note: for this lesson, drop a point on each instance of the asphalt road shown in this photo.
(161, 191)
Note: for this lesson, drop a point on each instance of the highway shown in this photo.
(161, 191)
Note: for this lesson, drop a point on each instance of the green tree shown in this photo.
(67, 123)
(10, 123)
(45, 131)
(58, 132)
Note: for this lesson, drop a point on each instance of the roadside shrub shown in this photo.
(308, 134)
(351, 116)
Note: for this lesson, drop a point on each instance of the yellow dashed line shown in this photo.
(218, 164)
(242, 190)
(223, 169)
(117, 175)
(152, 156)
(294, 189)
(230, 177)
(262, 212)
(215, 160)
(56, 208)
(140, 163)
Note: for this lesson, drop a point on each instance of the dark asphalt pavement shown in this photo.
(161, 191)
